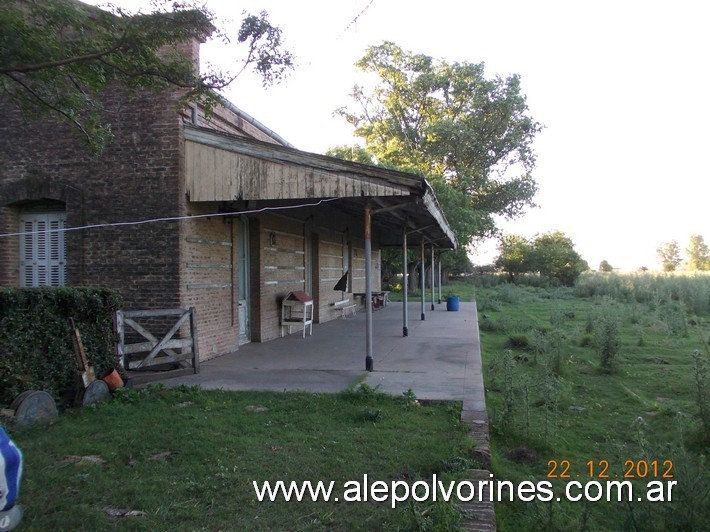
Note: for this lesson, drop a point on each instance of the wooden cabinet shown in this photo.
(297, 311)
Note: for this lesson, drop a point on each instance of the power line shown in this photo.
(168, 219)
(354, 21)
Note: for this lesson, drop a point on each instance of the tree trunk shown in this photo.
(414, 283)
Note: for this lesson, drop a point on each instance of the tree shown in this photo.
(669, 254)
(605, 267)
(516, 254)
(698, 254)
(352, 153)
(471, 136)
(554, 257)
(56, 56)
(456, 261)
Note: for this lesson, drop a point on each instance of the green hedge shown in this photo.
(36, 349)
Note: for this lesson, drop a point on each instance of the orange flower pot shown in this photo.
(113, 380)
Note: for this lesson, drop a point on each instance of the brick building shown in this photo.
(245, 218)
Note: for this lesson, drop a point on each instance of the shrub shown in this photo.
(673, 315)
(36, 341)
(700, 376)
(487, 325)
(607, 339)
(488, 304)
(587, 340)
(509, 293)
(518, 341)
(362, 394)
(552, 363)
(557, 319)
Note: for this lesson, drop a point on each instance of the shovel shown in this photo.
(87, 372)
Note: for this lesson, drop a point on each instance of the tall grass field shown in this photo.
(608, 380)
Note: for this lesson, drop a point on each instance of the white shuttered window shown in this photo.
(42, 249)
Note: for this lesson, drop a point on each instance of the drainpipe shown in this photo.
(423, 281)
(433, 286)
(405, 288)
(368, 286)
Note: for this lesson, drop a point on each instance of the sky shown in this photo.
(621, 88)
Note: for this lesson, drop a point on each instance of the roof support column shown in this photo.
(440, 278)
(423, 276)
(369, 363)
(433, 284)
(405, 283)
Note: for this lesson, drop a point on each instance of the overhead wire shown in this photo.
(169, 219)
(354, 21)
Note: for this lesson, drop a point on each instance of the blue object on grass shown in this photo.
(10, 471)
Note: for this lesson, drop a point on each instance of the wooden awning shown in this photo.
(220, 167)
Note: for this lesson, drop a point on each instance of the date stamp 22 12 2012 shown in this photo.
(632, 469)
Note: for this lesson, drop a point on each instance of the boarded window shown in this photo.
(42, 250)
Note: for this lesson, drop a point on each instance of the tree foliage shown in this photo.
(552, 255)
(516, 255)
(555, 257)
(456, 261)
(56, 56)
(352, 153)
(669, 255)
(698, 254)
(472, 136)
(605, 267)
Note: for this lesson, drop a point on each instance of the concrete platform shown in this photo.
(439, 359)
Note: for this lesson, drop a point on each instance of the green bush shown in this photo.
(587, 340)
(518, 341)
(509, 293)
(488, 304)
(36, 349)
(607, 339)
(489, 325)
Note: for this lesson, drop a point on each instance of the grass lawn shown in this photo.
(186, 459)
(554, 408)
(465, 289)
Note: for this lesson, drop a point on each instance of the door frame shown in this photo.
(242, 279)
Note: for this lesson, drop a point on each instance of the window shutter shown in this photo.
(56, 261)
(27, 244)
(42, 250)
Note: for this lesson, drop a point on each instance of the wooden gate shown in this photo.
(153, 352)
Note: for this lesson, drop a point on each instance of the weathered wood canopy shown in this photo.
(221, 167)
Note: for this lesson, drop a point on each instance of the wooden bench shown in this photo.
(345, 307)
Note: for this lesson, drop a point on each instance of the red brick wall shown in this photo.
(137, 177)
(280, 253)
(208, 280)
(9, 247)
(280, 269)
(166, 264)
(331, 268)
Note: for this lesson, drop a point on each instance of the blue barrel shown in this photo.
(10, 471)
(452, 303)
